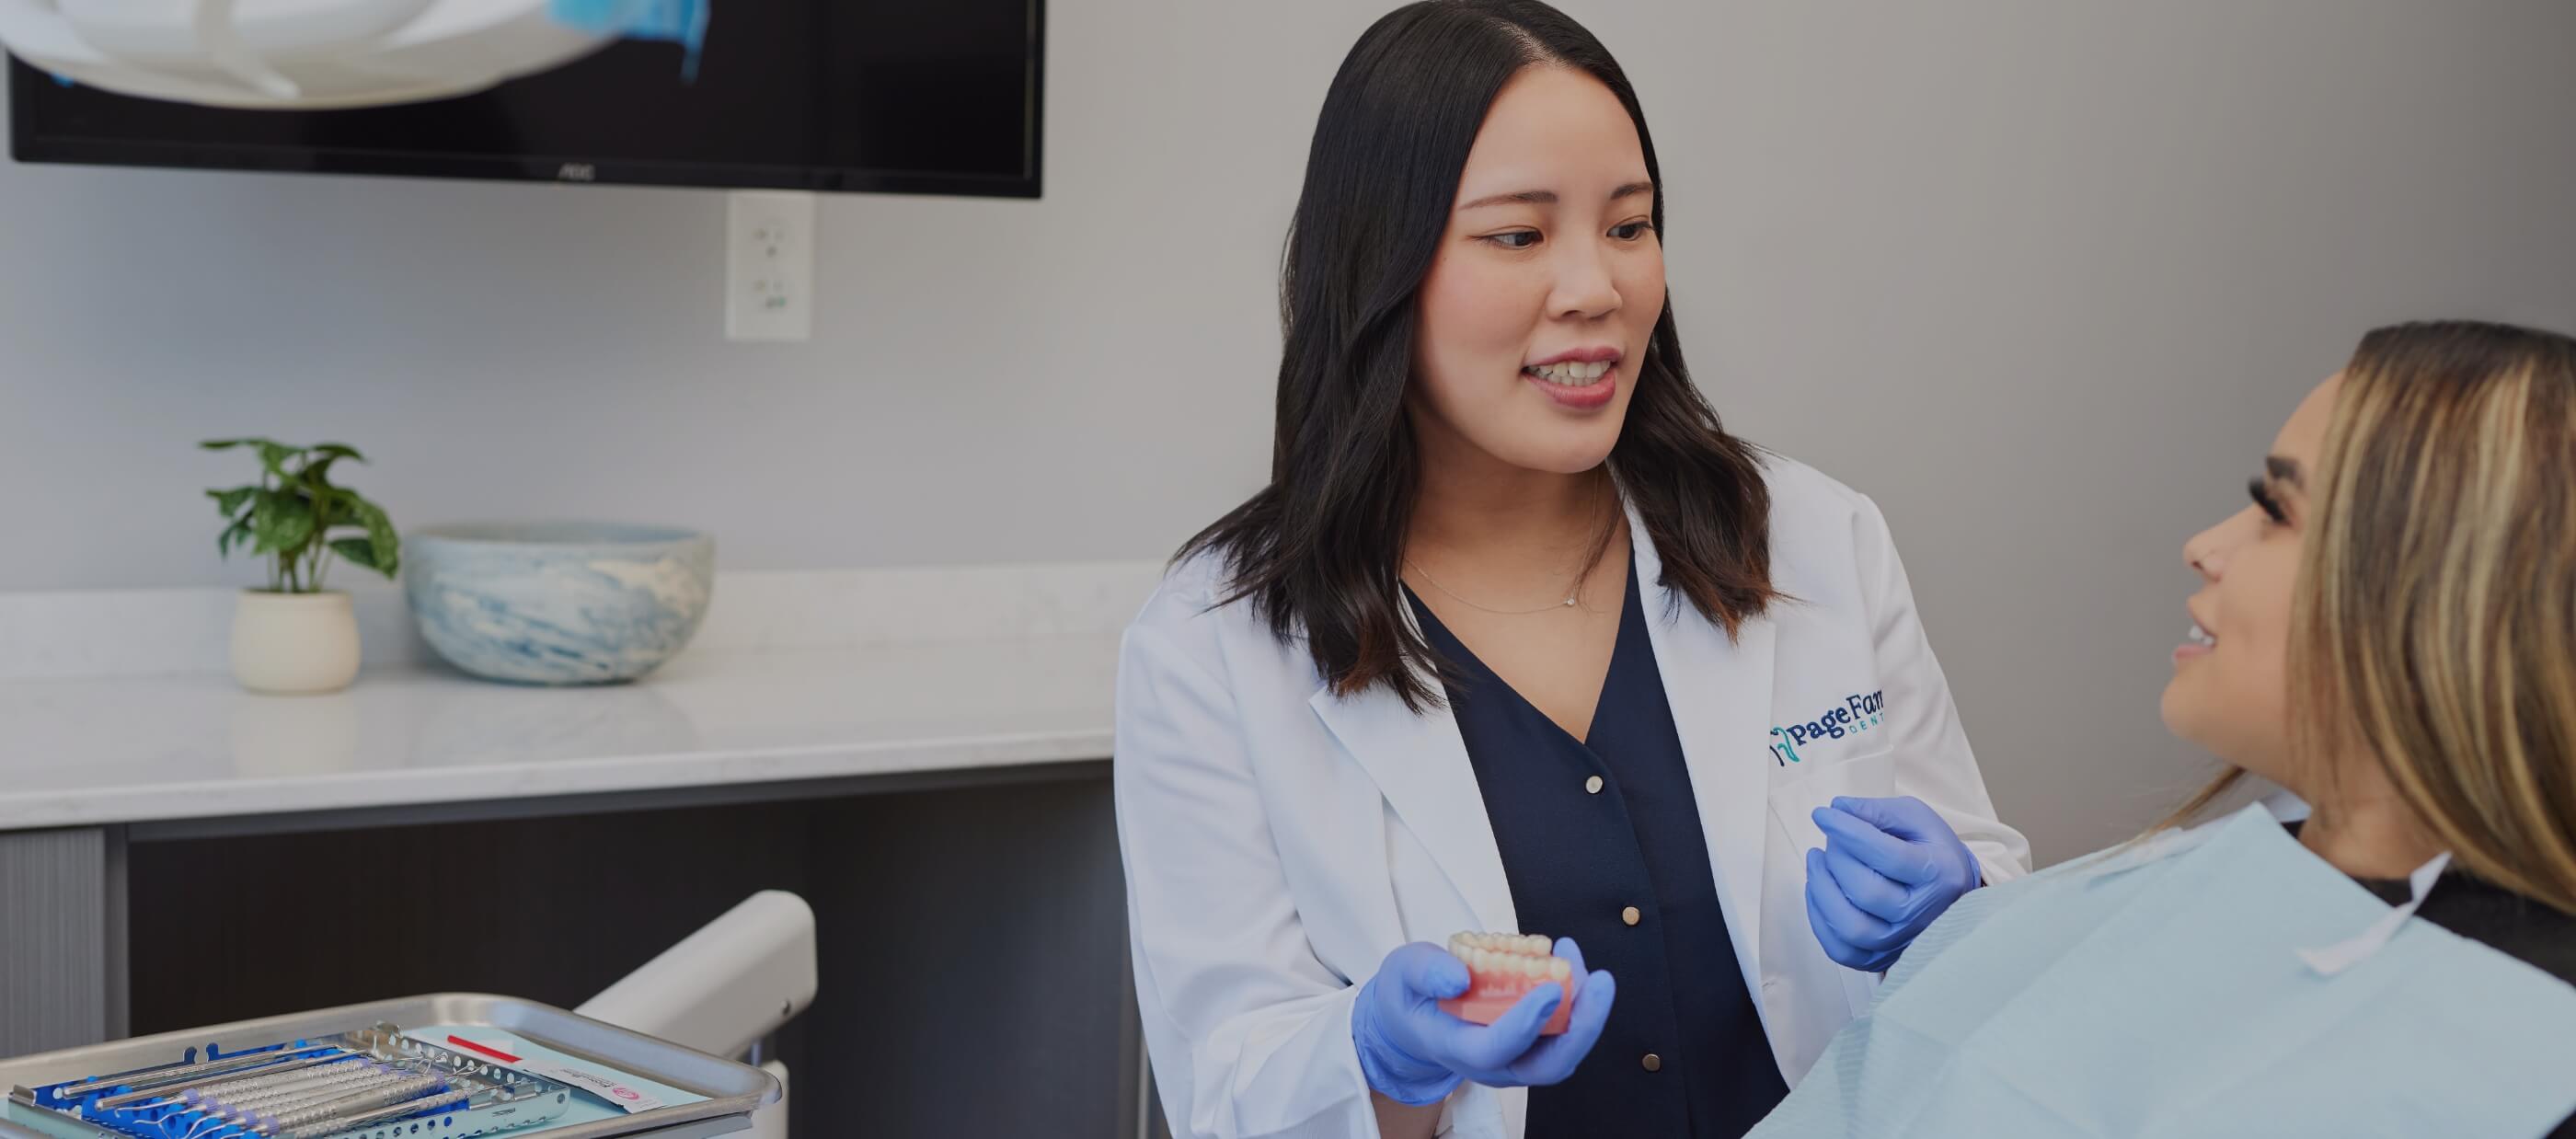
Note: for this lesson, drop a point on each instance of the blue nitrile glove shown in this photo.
(1413, 1053)
(1889, 867)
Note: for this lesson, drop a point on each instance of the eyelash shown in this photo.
(2263, 498)
(1641, 228)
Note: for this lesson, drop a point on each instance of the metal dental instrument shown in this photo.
(380, 1115)
(162, 1094)
(373, 1082)
(253, 1111)
(288, 1098)
(359, 1103)
(187, 1073)
(261, 1114)
(295, 1073)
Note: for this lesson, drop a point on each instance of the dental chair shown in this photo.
(725, 988)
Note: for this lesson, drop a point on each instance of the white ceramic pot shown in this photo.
(294, 644)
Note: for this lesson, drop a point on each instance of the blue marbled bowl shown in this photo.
(558, 602)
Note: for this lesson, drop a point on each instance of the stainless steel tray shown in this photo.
(733, 1090)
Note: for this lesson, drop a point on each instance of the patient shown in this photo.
(2389, 631)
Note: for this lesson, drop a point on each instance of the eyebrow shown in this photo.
(1548, 197)
(2285, 470)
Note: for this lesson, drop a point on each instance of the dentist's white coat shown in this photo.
(1280, 841)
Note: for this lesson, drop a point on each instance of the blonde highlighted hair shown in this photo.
(2434, 624)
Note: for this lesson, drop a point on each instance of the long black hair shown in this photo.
(1317, 550)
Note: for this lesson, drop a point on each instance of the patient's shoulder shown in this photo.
(2518, 927)
(2509, 923)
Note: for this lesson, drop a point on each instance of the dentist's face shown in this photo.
(2230, 688)
(1547, 285)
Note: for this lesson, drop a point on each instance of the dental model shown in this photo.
(1502, 968)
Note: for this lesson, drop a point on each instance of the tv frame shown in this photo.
(24, 146)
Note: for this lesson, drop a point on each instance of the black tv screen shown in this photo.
(901, 96)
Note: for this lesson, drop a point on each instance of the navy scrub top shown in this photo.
(1683, 1052)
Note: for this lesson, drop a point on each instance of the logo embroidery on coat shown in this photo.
(1858, 713)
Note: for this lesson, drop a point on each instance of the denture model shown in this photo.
(1501, 969)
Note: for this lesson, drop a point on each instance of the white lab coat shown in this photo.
(1280, 841)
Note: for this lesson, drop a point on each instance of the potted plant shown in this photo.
(296, 636)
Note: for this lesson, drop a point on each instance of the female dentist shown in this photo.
(1518, 638)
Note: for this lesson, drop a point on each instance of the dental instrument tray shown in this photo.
(452, 1066)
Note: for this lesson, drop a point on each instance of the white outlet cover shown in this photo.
(769, 265)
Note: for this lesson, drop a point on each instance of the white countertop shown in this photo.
(115, 706)
(129, 749)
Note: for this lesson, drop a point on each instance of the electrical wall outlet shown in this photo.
(769, 265)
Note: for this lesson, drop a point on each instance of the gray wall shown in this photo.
(2042, 277)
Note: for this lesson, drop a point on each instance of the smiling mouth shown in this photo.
(1571, 373)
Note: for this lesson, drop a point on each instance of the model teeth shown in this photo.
(2201, 637)
(1510, 961)
(1529, 944)
(1571, 373)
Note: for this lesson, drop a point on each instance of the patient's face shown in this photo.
(2230, 691)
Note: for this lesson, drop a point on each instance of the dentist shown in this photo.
(1519, 639)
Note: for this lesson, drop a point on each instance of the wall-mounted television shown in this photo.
(893, 96)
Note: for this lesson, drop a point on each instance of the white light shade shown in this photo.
(291, 54)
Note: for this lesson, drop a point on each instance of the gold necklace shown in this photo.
(1570, 598)
(1573, 595)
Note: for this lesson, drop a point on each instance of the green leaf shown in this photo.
(235, 534)
(229, 502)
(381, 538)
(317, 473)
(289, 517)
(358, 551)
(283, 524)
(274, 457)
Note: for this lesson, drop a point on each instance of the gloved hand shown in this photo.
(1413, 1053)
(1889, 867)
